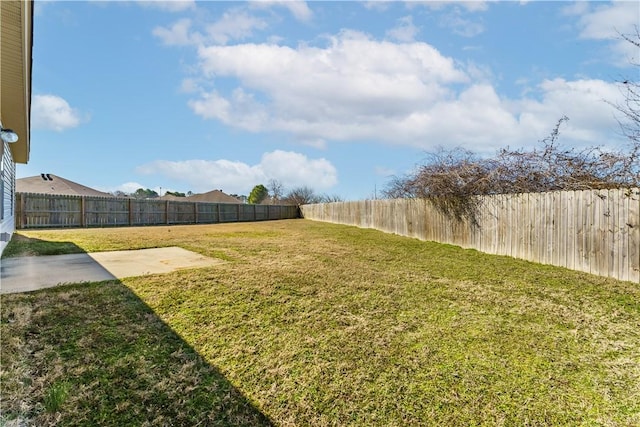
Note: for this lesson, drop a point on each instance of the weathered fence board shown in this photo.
(596, 231)
(53, 211)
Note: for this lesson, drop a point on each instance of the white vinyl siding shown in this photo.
(7, 196)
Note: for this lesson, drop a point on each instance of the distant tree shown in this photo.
(276, 190)
(119, 193)
(302, 196)
(258, 194)
(305, 195)
(175, 194)
(142, 193)
(329, 198)
(189, 193)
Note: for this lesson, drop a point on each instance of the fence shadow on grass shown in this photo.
(119, 363)
(21, 245)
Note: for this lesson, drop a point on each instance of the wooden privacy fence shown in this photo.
(596, 231)
(53, 211)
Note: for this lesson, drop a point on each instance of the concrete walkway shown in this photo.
(23, 274)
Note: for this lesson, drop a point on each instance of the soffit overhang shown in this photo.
(16, 43)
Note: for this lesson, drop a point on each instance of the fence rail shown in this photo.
(596, 231)
(54, 211)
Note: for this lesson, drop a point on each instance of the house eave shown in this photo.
(16, 46)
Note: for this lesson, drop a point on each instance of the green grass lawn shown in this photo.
(309, 323)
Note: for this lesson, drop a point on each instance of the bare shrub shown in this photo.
(451, 178)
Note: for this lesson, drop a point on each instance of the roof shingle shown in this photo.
(53, 184)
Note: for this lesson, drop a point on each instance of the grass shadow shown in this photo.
(96, 354)
(21, 245)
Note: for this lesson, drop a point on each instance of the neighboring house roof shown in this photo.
(53, 184)
(16, 43)
(172, 198)
(215, 196)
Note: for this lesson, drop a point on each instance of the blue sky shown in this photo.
(337, 96)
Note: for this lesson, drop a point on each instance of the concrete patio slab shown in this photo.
(23, 274)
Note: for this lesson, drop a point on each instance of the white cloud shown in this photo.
(177, 34)
(189, 85)
(455, 15)
(356, 88)
(608, 22)
(52, 112)
(605, 21)
(378, 5)
(405, 31)
(576, 8)
(234, 24)
(583, 101)
(344, 91)
(470, 6)
(473, 5)
(290, 168)
(169, 5)
(298, 8)
(127, 187)
(207, 175)
(295, 169)
(240, 110)
(461, 26)
(130, 187)
(481, 120)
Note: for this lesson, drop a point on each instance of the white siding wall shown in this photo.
(7, 196)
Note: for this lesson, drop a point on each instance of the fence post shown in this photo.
(195, 212)
(83, 220)
(130, 205)
(18, 219)
(166, 212)
(23, 220)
